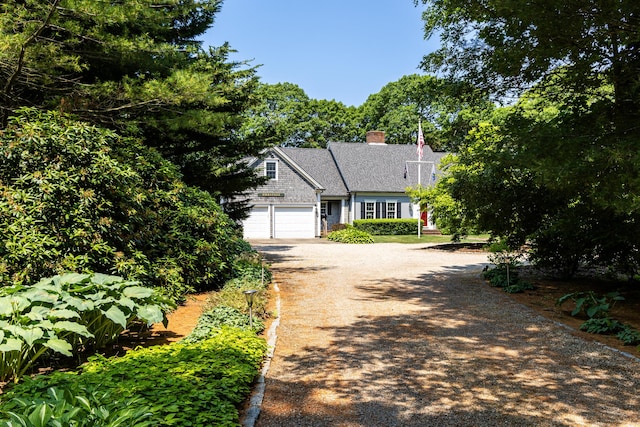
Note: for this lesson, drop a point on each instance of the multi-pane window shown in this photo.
(369, 210)
(391, 209)
(271, 169)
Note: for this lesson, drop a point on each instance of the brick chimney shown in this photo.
(375, 137)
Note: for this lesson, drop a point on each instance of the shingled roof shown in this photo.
(344, 168)
(319, 163)
(381, 167)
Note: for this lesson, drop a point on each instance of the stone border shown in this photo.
(255, 402)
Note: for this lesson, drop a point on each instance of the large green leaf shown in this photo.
(12, 344)
(105, 279)
(150, 314)
(41, 415)
(13, 304)
(116, 316)
(79, 304)
(127, 302)
(63, 314)
(30, 335)
(68, 326)
(72, 278)
(38, 312)
(137, 292)
(59, 345)
(6, 309)
(40, 295)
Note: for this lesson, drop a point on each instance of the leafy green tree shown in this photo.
(447, 108)
(569, 51)
(138, 68)
(74, 197)
(567, 150)
(286, 116)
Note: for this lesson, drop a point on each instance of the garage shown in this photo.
(294, 222)
(289, 222)
(258, 224)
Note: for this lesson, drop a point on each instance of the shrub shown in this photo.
(74, 197)
(387, 227)
(505, 274)
(350, 235)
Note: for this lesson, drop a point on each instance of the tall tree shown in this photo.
(573, 134)
(568, 50)
(447, 108)
(286, 116)
(136, 67)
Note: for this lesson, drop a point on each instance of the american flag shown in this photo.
(420, 141)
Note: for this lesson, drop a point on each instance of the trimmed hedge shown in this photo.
(387, 227)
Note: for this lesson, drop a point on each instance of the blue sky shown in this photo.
(344, 50)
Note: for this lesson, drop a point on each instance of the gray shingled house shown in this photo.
(311, 189)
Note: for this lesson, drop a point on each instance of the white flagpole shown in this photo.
(420, 148)
(419, 211)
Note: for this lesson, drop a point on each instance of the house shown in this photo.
(311, 189)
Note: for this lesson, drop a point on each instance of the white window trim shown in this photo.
(373, 214)
(275, 162)
(393, 203)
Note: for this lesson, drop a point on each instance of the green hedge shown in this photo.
(387, 227)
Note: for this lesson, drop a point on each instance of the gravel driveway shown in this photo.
(402, 335)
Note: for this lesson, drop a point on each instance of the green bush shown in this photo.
(350, 235)
(74, 197)
(387, 227)
(510, 283)
(596, 308)
(199, 384)
(591, 304)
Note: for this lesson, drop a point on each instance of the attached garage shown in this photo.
(258, 224)
(294, 222)
(280, 222)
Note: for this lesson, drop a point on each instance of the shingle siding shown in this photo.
(290, 183)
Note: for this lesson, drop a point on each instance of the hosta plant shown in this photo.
(78, 408)
(350, 235)
(68, 313)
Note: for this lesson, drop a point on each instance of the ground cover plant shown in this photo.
(229, 306)
(199, 381)
(195, 384)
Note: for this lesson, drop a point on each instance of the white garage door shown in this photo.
(294, 222)
(257, 225)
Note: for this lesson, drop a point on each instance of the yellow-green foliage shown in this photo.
(198, 384)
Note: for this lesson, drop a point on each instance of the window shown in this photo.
(391, 209)
(271, 169)
(369, 210)
(323, 209)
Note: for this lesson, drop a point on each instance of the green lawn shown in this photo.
(427, 239)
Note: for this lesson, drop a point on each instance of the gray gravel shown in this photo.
(402, 335)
